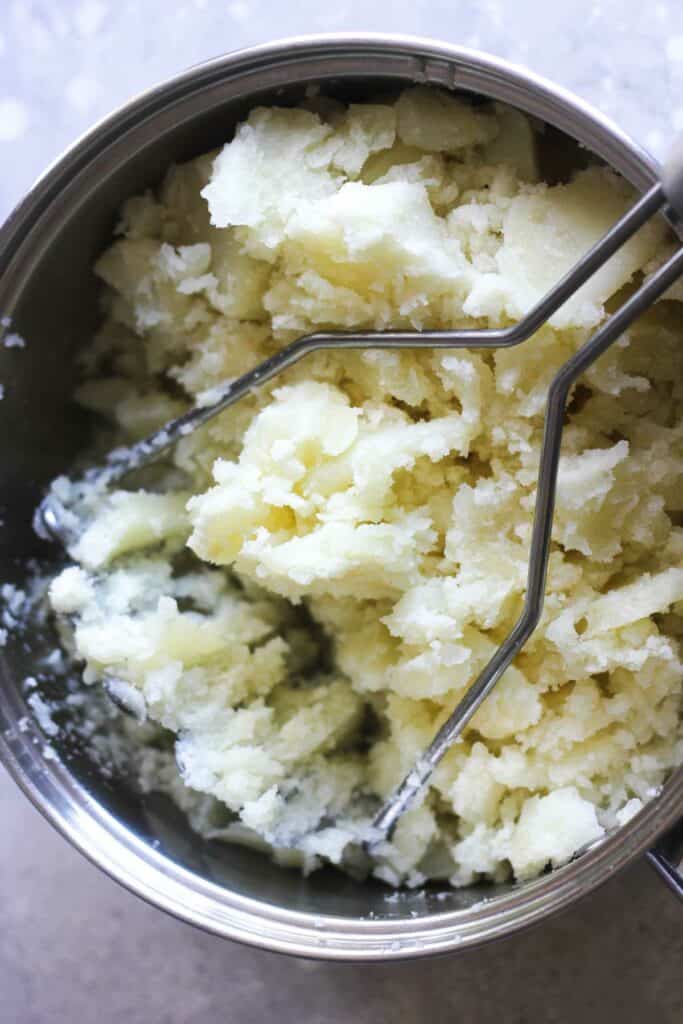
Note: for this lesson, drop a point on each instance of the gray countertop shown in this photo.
(74, 946)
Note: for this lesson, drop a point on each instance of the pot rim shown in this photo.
(50, 786)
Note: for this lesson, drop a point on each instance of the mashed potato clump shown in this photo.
(327, 566)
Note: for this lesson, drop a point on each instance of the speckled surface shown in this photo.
(74, 946)
(65, 63)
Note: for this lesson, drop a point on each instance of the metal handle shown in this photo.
(667, 857)
(672, 177)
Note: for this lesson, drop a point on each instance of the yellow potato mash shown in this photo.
(323, 570)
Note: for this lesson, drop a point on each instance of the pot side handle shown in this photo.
(667, 859)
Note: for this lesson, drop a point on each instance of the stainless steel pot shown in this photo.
(47, 249)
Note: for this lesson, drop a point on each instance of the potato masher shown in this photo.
(54, 520)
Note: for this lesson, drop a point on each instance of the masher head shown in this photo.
(60, 514)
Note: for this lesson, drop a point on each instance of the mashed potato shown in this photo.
(325, 568)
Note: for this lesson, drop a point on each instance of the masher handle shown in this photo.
(672, 177)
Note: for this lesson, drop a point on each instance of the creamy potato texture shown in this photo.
(324, 569)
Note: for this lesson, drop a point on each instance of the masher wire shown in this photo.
(402, 798)
(50, 520)
(51, 515)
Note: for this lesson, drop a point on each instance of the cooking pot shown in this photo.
(47, 288)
